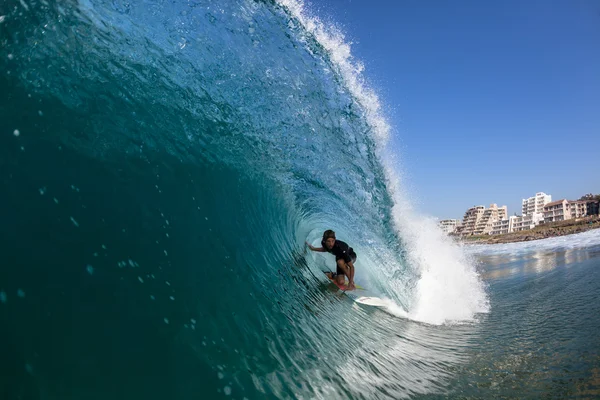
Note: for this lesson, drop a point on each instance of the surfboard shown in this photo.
(385, 305)
(372, 301)
(361, 296)
(344, 287)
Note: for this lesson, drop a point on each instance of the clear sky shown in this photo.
(490, 102)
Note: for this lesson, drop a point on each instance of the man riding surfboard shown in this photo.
(345, 257)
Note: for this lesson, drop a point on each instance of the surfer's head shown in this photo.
(329, 238)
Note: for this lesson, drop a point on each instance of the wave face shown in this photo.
(163, 164)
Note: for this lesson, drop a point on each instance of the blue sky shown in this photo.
(490, 102)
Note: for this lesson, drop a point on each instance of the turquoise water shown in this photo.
(162, 165)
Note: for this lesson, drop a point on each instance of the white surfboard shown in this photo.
(386, 305)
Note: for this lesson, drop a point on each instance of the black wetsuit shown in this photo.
(342, 251)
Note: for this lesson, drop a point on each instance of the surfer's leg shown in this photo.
(343, 269)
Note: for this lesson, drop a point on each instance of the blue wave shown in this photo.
(172, 159)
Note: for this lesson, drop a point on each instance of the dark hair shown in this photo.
(328, 234)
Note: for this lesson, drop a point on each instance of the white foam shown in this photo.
(568, 242)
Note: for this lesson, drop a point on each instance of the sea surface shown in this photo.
(162, 164)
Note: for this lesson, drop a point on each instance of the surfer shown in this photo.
(344, 258)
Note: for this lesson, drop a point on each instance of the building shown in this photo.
(535, 204)
(557, 211)
(503, 226)
(593, 207)
(449, 226)
(479, 220)
(578, 208)
(526, 222)
(490, 215)
(472, 215)
(592, 204)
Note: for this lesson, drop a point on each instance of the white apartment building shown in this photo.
(535, 204)
(503, 226)
(557, 211)
(449, 226)
(527, 222)
(472, 215)
(479, 220)
(490, 215)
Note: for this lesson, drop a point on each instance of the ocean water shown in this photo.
(162, 165)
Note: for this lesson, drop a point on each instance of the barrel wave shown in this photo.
(163, 164)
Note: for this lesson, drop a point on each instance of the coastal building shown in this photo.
(535, 204)
(490, 215)
(578, 208)
(503, 226)
(592, 204)
(557, 211)
(593, 207)
(526, 222)
(470, 219)
(479, 220)
(449, 226)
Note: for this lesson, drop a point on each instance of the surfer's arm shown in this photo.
(313, 248)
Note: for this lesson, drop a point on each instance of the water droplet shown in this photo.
(20, 293)
(140, 279)
(227, 390)
(74, 222)
(166, 254)
(16, 133)
(29, 368)
(193, 320)
(167, 282)
(3, 296)
(104, 247)
(42, 190)
(55, 200)
(90, 269)
(220, 375)
(152, 297)
(172, 298)
(166, 320)
(40, 113)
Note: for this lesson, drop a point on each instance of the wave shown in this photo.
(184, 151)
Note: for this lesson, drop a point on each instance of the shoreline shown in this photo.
(544, 231)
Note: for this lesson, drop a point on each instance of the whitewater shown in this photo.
(162, 166)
